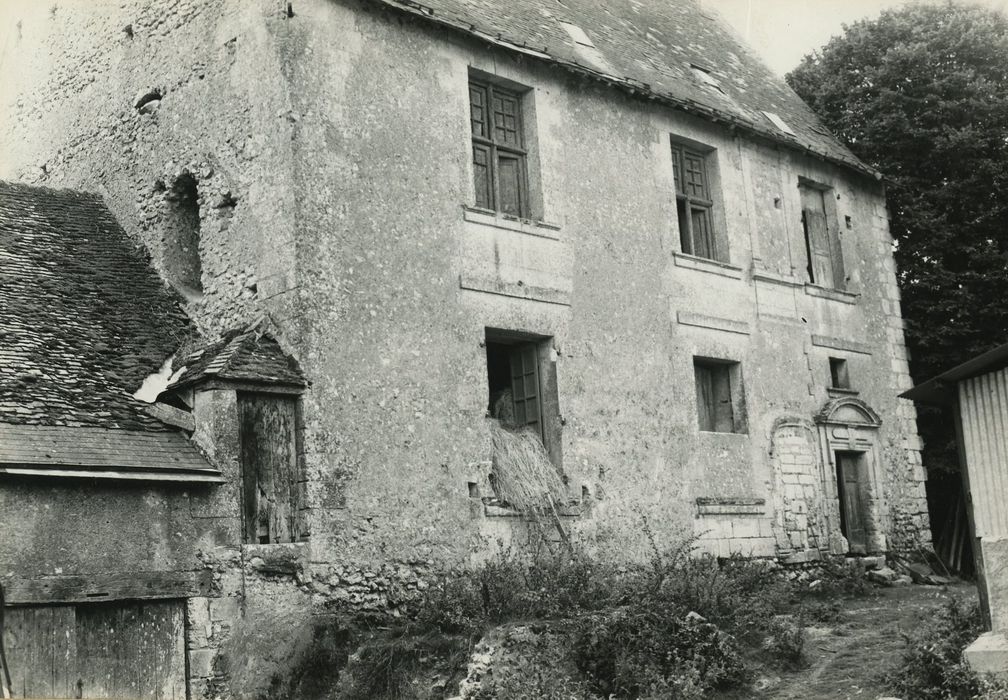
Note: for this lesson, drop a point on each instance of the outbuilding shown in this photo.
(978, 392)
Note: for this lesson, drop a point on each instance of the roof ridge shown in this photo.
(78, 193)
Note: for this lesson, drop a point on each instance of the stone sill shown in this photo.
(495, 511)
(774, 278)
(727, 435)
(837, 391)
(714, 267)
(843, 297)
(730, 506)
(529, 227)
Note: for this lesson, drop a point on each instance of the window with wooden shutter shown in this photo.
(270, 468)
(822, 240)
(718, 396)
(522, 384)
(694, 202)
(500, 178)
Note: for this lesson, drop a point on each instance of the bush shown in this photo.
(646, 651)
(785, 642)
(932, 668)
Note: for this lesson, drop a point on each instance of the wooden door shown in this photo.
(269, 467)
(126, 649)
(817, 237)
(851, 486)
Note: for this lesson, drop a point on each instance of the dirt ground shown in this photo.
(847, 657)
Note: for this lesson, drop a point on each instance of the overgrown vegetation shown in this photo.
(932, 668)
(562, 624)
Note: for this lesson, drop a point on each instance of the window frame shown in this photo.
(687, 203)
(833, 243)
(839, 373)
(548, 423)
(494, 147)
(707, 415)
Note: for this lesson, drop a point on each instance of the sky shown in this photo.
(783, 31)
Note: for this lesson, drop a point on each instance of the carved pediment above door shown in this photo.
(847, 411)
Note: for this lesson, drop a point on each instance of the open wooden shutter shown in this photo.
(525, 385)
(817, 237)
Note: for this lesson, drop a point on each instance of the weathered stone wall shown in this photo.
(331, 151)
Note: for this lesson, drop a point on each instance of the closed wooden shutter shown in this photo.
(98, 650)
(269, 460)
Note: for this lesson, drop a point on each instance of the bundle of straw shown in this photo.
(523, 475)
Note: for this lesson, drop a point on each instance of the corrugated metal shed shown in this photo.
(983, 406)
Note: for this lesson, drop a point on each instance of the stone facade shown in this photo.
(330, 149)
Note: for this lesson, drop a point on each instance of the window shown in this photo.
(182, 235)
(694, 202)
(499, 148)
(521, 376)
(718, 395)
(839, 379)
(822, 238)
(272, 483)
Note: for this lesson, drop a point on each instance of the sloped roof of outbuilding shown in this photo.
(651, 48)
(245, 355)
(84, 319)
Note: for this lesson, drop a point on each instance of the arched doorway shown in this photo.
(851, 478)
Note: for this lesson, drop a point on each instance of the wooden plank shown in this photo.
(140, 585)
(64, 652)
(269, 466)
(172, 416)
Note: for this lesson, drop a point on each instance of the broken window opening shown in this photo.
(182, 262)
(720, 408)
(822, 238)
(526, 474)
(694, 203)
(272, 476)
(839, 377)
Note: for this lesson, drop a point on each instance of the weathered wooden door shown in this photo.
(268, 425)
(851, 479)
(126, 649)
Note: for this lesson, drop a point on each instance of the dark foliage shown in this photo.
(921, 93)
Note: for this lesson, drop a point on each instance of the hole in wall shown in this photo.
(181, 239)
(128, 31)
(290, 10)
(147, 100)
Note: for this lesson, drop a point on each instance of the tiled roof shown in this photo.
(244, 356)
(672, 51)
(42, 450)
(84, 318)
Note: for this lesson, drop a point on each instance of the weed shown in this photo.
(932, 667)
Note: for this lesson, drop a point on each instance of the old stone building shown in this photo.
(381, 216)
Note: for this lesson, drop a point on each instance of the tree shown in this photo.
(921, 94)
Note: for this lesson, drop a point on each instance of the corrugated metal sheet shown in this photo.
(100, 452)
(983, 403)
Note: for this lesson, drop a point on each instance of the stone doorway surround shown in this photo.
(849, 425)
